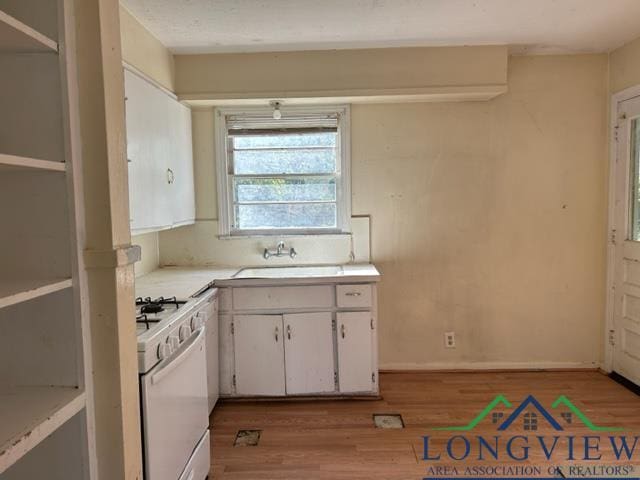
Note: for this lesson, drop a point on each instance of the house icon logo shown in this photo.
(533, 414)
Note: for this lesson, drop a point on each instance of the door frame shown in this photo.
(609, 324)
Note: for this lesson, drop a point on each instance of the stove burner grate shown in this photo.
(158, 301)
(146, 320)
(151, 308)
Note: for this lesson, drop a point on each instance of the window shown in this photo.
(530, 421)
(285, 176)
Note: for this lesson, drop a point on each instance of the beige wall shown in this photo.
(143, 51)
(624, 66)
(149, 245)
(487, 219)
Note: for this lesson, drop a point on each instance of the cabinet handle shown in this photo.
(170, 176)
(289, 332)
(342, 330)
(277, 331)
(353, 294)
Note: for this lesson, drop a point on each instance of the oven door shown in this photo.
(174, 409)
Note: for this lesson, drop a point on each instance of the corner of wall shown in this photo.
(144, 51)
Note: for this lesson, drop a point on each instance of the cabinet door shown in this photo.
(309, 361)
(138, 156)
(259, 354)
(147, 154)
(355, 352)
(183, 203)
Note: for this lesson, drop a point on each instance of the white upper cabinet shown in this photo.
(181, 164)
(147, 153)
(159, 152)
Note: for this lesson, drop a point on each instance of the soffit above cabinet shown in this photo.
(373, 75)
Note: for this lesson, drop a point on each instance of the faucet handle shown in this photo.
(266, 254)
(292, 252)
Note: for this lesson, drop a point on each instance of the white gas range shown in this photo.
(172, 364)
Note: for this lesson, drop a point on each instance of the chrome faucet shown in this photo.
(279, 251)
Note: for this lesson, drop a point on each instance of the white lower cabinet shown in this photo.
(296, 352)
(259, 355)
(355, 351)
(308, 353)
(284, 354)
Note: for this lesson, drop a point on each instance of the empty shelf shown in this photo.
(17, 37)
(28, 415)
(16, 291)
(14, 162)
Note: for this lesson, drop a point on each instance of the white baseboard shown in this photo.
(431, 366)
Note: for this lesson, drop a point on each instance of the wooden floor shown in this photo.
(337, 440)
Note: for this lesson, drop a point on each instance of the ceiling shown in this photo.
(528, 26)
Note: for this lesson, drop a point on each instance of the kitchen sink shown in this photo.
(290, 272)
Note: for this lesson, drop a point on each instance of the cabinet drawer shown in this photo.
(353, 296)
(267, 298)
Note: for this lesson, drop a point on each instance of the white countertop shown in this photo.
(184, 282)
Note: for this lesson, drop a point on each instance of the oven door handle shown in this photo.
(180, 356)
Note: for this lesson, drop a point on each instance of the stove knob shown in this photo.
(185, 332)
(174, 342)
(195, 323)
(164, 350)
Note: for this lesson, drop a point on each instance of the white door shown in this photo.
(175, 416)
(181, 164)
(308, 350)
(626, 244)
(259, 354)
(355, 352)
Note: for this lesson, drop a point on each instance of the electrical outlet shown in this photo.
(450, 339)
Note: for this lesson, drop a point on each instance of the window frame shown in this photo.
(224, 180)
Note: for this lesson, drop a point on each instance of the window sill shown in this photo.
(244, 236)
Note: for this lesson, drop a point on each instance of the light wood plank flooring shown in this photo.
(337, 440)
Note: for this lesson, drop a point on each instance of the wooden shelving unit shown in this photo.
(36, 412)
(16, 37)
(13, 162)
(44, 356)
(17, 291)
